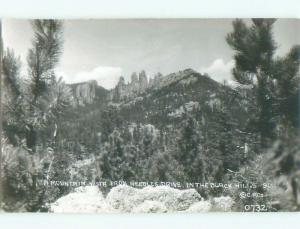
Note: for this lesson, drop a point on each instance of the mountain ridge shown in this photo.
(87, 92)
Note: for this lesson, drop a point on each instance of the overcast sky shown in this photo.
(106, 49)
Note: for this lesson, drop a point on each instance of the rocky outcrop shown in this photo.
(150, 199)
(126, 198)
(87, 199)
(201, 206)
(87, 93)
(150, 206)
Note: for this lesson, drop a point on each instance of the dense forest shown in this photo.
(181, 127)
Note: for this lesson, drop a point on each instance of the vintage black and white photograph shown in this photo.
(150, 115)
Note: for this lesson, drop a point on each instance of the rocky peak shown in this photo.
(153, 82)
(84, 92)
(139, 84)
(134, 78)
(134, 85)
(121, 81)
(143, 81)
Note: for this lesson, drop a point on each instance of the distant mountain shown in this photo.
(90, 92)
(166, 100)
(140, 84)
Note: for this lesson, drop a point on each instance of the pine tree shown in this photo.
(42, 59)
(44, 54)
(286, 74)
(270, 78)
(190, 151)
(13, 112)
(112, 157)
(255, 49)
(11, 71)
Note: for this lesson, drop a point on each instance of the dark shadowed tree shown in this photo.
(286, 75)
(255, 65)
(190, 151)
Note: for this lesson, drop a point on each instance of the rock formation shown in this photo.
(138, 85)
(143, 81)
(87, 92)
